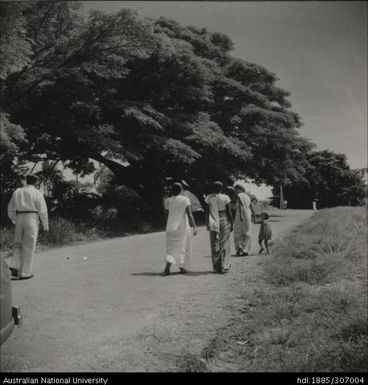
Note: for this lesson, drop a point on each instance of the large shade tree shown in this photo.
(49, 46)
(150, 99)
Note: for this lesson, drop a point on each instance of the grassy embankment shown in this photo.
(66, 232)
(309, 310)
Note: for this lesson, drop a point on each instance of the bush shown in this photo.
(125, 200)
(61, 232)
(6, 237)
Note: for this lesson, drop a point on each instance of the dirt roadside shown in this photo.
(106, 306)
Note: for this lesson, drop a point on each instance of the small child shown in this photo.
(265, 232)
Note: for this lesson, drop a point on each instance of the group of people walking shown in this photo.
(225, 213)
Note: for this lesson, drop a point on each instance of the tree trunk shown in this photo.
(153, 194)
(198, 191)
(150, 188)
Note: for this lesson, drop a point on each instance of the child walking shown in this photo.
(265, 232)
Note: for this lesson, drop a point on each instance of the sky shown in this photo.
(318, 50)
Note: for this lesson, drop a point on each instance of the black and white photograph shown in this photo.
(183, 190)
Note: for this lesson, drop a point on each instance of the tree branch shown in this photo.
(129, 175)
(44, 19)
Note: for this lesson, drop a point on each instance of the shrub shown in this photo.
(61, 232)
(6, 237)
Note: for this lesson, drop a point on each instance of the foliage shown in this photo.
(11, 135)
(150, 99)
(12, 169)
(7, 238)
(329, 179)
(61, 232)
(15, 46)
(126, 201)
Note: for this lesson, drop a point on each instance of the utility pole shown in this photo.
(281, 198)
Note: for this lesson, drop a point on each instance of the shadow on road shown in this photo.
(152, 274)
(161, 274)
(198, 273)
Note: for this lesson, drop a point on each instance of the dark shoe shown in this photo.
(245, 254)
(14, 272)
(183, 271)
(26, 277)
(260, 251)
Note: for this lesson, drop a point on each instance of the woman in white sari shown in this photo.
(242, 222)
(178, 231)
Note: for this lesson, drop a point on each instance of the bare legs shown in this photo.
(260, 242)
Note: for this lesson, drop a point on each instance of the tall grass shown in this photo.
(327, 247)
(316, 318)
(61, 232)
(66, 232)
(309, 312)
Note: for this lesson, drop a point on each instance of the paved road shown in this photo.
(106, 306)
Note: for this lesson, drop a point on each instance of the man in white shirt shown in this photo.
(26, 207)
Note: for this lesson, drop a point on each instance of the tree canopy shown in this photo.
(150, 99)
(329, 179)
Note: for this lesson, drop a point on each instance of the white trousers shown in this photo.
(25, 238)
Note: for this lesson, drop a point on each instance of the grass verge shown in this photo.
(309, 310)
